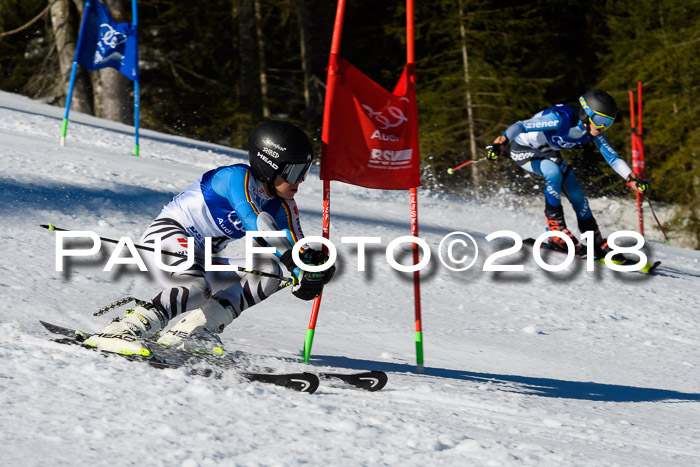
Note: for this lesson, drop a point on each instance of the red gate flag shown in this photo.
(373, 133)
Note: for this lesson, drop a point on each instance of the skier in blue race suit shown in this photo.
(221, 207)
(535, 144)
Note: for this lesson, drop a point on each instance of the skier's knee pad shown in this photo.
(253, 288)
(267, 265)
(200, 287)
(268, 284)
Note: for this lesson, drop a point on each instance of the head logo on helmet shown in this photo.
(597, 108)
(279, 148)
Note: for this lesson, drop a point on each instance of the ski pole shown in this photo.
(472, 161)
(116, 304)
(288, 280)
(667, 239)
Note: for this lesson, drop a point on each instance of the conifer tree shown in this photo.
(656, 42)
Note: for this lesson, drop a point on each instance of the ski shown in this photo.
(648, 268)
(371, 381)
(302, 382)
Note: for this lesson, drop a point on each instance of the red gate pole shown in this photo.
(325, 137)
(636, 162)
(640, 141)
(640, 149)
(411, 59)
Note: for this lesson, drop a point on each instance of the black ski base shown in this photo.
(369, 380)
(215, 366)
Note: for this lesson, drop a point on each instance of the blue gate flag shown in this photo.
(104, 43)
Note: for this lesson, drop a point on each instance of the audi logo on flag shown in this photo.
(388, 159)
(384, 122)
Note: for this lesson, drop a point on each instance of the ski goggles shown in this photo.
(597, 119)
(295, 173)
(600, 121)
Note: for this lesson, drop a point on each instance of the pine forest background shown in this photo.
(212, 70)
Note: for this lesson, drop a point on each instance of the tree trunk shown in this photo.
(65, 33)
(261, 60)
(112, 90)
(249, 90)
(80, 6)
(305, 62)
(470, 110)
(316, 19)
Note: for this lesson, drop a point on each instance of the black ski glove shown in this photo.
(308, 285)
(641, 184)
(494, 151)
(317, 258)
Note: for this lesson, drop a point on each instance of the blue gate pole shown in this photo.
(74, 69)
(134, 21)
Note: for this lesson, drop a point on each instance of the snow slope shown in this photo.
(522, 368)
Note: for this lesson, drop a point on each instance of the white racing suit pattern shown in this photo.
(189, 289)
(223, 204)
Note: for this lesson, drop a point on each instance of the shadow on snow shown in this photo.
(544, 387)
(142, 136)
(68, 199)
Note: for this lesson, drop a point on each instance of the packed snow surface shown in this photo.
(521, 368)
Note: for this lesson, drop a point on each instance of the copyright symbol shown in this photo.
(458, 246)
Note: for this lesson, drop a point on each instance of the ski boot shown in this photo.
(556, 222)
(600, 244)
(198, 330)
(125, 336)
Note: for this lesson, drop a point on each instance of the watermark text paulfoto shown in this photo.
(457, 251)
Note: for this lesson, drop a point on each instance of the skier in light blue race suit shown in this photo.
(535, 146)
(223, 205)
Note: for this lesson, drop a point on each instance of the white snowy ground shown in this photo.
(532, 368)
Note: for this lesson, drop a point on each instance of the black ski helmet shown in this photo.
(599, 107)
(279, 148)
